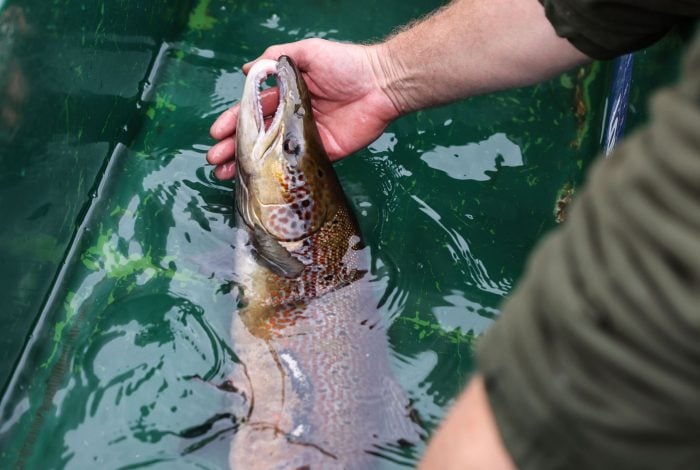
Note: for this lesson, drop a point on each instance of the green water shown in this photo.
(116, 239)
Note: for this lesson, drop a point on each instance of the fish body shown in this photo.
(315, 364)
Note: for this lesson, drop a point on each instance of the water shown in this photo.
(120, 236)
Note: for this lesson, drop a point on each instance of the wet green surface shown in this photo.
(118, 233)
(69, 92)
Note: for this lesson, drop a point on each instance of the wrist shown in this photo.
(389, 77)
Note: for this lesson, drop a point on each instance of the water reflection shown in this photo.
(133, 368)
(473, 268)
(227, 90)
(463, 314)
(151, 357)
(132, 383)
(476, 160)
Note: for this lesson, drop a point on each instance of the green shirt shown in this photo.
(595, 361)
(603, 29)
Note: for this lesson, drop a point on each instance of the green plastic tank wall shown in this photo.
(115, 235)
(74, 76)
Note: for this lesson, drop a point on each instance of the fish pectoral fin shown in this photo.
(274, 256)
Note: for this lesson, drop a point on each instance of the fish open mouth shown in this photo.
(260, 72)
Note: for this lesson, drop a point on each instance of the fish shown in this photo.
(315, 359)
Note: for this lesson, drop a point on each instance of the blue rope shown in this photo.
(618, 101)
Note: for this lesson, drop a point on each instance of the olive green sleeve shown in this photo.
(603, 29)
(595, 360)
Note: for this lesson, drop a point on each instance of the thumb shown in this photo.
(301, 53)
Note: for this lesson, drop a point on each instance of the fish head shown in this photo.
(285, 185)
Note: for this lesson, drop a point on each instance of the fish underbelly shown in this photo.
(320, 388)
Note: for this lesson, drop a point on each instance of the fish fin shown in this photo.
(274, 256)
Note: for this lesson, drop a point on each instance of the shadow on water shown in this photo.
(114, 269)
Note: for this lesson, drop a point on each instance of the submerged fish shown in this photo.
(316, 371)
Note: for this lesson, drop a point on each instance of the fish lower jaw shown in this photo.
(263, 147)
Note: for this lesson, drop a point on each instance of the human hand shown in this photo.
(348, 96)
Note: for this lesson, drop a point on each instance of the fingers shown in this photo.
(222, 151)
(270, 99)
(225, 171)
(222, 155)
(225, 124)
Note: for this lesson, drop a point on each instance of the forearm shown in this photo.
(468, 438)
(471, 47)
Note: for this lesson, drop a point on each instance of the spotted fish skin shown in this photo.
(315, 359)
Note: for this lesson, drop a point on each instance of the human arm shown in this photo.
(468, 439)
(466, 48)
(594, 361)
(472, 47)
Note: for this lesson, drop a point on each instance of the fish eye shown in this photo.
(290, 146)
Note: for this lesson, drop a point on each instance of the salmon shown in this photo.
(315, 360)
